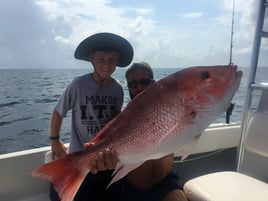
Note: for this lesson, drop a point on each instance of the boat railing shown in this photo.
(252, 84)
(250, 180)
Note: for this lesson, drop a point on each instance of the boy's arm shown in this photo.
(57, 146)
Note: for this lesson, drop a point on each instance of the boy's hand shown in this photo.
(58, 149)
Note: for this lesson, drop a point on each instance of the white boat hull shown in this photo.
(16, 182)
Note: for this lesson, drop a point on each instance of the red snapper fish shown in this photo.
(169, 116)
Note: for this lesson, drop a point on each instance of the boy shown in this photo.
(94, 98)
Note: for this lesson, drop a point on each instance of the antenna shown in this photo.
(232, 34)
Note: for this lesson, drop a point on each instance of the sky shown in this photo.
(171, 33)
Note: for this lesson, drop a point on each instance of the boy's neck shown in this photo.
(100, 80)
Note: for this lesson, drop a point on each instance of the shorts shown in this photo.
(124, 191)
(93, 188)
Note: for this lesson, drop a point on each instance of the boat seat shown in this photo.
(226, 186)
(250, 183)
(255, 156)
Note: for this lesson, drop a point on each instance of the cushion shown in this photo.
(226, 186)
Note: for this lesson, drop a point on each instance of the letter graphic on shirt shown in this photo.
(84, 116)
(97, 111)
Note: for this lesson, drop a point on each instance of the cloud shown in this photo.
(160, 46)
(192, 15)
(244, 29)
(41, 33)
(26, 36)
(141, 11)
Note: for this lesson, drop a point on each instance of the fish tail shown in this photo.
(65, 174)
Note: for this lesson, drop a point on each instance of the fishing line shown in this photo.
(200, 157)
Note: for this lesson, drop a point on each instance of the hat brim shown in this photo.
(105, 41)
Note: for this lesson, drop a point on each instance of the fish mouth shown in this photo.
(237, 74)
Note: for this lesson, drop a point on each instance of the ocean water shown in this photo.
(28, 96)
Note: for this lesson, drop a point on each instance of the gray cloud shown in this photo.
(27, 37)
(44, 34)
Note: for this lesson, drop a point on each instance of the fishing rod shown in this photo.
(231, 107)
(232, 34)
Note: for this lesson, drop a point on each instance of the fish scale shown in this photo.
(167, 117)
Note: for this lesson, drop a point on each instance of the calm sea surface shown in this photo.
(27, 98)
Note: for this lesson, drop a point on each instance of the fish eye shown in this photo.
(205, 75)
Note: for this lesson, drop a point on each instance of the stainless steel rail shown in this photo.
(252, 85)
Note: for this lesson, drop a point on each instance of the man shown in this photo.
(154, 180)
(94, 98)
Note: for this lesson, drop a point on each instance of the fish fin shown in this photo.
(187, 149)
(65, 175)
(121, 171)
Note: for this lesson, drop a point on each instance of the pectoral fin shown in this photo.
(187, 149)
(121, 171)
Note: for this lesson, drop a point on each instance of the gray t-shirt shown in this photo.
(92, 105)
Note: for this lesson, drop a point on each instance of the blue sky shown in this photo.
(174, 33)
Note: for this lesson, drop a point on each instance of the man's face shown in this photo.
(137, 81)
(104, 62)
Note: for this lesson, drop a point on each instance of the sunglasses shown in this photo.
(143, 82)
